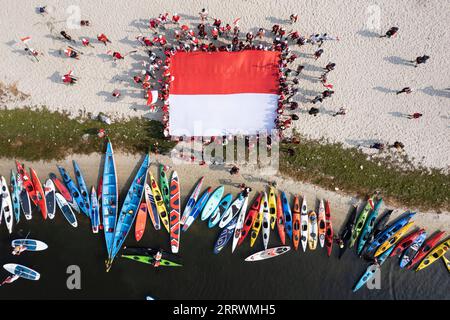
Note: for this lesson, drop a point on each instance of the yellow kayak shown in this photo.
(159, 203)
(272, 207)
(312, 230)
(394, 239)
(258, 222)
(434, 255)
(446, 262)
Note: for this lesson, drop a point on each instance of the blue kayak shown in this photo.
(22, 271)
(389, 231)
(15, 196)
(287, 214)
(110, 197)
(225, 235)
(368, 227)
(198, 207)
(76, 194)
(82, 187)
(129, 209)
(217, 214)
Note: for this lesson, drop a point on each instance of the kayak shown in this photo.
(174, 215)
(389, 231)
(410, 252)
(287, 214)
(272, 200)
(62, 189)
(347, 232)
(256, 227)
(280, 220)
(225, 235)
(312, 228)
(49, 192)
(42, 204)
(381, 223)
(151, 260)
(151, 207)
(76, 194)
(22, 271)
(322, 229)
(15, 196)
(191, 201)
(368, 227)
(329, 235)
(159, 203)
(82, 187)
(268, 253)
(217, 214)
(24, 199)
(296, 223)
(250, 219)
(394, 238)
(29, 244)
(66, 210)
(425, 248)
(434, 255)
(232, 211)
(265, 220)
(141, 220)
(110, 197)
(372, 269)
(212, 203)
(129, 209)
(95, 212)
(239, 225)
(164, 185)
(196, 209)
(446, 262)
(304, 233)
(403, 244)
(27, 183)
(361, 220)
(6, 206)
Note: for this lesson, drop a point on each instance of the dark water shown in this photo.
(295, 275)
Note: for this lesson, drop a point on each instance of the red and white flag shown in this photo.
(152, 97)
(25, 39)
(223, 93)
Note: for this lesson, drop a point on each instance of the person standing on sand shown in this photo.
(378, 146)
(415, 115)
(318, 53)
(398, 145)
(293, 17)
(406, 90)
(420, 60)
(330, 67)
(203, 14)
(234, 170)
(390, 33)
(103, 38)
(313, 111)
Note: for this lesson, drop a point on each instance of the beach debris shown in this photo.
(104, 118)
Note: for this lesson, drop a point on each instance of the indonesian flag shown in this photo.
(220, 93)
(152, 97)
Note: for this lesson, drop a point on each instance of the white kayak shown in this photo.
(6, 209)
(49, 191)
(266, 220)
(268, 253)
(239, 225)
(304, 224)
(232, 211)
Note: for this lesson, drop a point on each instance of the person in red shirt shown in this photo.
(103, 38)
(415, 115)
(215, 33)
(69, 78)
(175, 18)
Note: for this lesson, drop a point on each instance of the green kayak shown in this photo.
(357, 228)
(164, 185)
(151, 260)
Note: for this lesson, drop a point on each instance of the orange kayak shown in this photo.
(141, 220)
(296, 223)
(40, 195)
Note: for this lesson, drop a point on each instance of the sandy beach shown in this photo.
(369, 70)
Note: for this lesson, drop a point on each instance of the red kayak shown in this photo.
(141, 219)
(280, 220)
(406, 242)
(296, 222)
(61, 187)
(329, 229)
(250, 219)
(40, 195)
(426, 248)
(27, 183)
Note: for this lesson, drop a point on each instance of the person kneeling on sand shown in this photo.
(313, 111)
(390, 33)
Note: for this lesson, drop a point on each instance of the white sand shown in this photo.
(215, 176)
(368, 69)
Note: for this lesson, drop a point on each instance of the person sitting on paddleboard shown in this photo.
(10, 279)
(18, 250)
(157, 257)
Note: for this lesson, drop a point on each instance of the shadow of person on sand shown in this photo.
(367, 33)
(366, 143)
(431, 91)
(276, 20)
(398, 60)
(384, 89)
(56, 77)
(398, 114)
